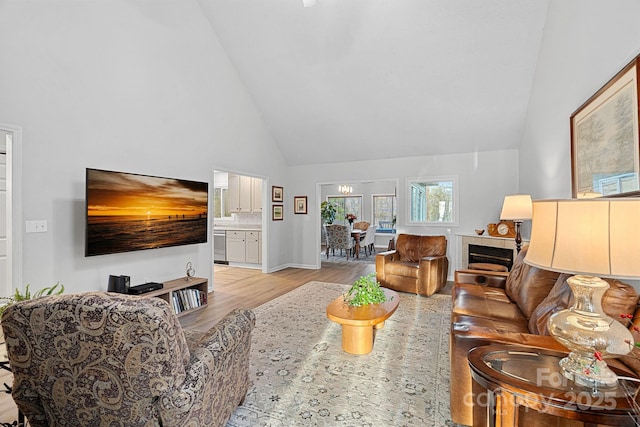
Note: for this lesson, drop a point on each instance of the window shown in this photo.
(221, 203)
(345, 205)
(384, 212)
(432, 201)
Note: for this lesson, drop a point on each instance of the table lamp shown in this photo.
(516, 208)
(588, 238)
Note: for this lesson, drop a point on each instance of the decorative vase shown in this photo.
(590, 334)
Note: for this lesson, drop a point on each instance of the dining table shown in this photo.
(358, 235)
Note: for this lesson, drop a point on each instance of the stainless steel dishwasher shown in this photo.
(220, 247)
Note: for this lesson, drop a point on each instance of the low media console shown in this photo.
(184, 296)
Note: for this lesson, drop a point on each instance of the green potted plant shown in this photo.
(366, 290)
(56, 289)
(327, 212)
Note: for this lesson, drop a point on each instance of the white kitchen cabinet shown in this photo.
(236, 246)
(234, 193)
(244, 246)
(256, 195)
(242, 197)
(245, 194)
(253, 251)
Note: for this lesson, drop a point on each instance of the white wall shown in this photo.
(585, 43)
(145, 87)
(483, 181)
(139, 87)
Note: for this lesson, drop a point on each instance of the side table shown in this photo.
(507, 378)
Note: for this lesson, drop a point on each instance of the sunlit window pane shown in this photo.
(345, 205)
(432, 201)
(384, 212)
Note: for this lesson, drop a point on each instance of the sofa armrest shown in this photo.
(217, 377)
(382, 258)
(494, 279)
(387, 255)
(432, 274)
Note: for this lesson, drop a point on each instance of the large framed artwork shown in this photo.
(605, 146)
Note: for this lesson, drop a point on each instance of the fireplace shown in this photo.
(491, 255)
(484, 247)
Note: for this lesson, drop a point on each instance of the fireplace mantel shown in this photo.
(494, 242)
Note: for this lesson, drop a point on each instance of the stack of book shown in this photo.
(188, 299)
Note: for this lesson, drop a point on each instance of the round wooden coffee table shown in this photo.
(508, 377)
(358, 323)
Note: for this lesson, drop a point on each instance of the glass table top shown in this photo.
(542, 370)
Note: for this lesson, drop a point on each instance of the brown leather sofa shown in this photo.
(419, 264)
(513, 308)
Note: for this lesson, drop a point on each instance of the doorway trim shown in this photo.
(14, 205)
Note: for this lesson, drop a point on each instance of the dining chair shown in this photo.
(339, 237)
(369, 238)
(361, 225)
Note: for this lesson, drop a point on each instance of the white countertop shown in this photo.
(238, 227)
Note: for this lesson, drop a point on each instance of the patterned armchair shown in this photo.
(97, 358)
(339, 237)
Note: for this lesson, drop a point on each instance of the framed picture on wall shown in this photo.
(605, 144)
(277, 194)
(300, 205)
(277, 213)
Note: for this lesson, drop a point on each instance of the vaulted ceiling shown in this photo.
(352, 80)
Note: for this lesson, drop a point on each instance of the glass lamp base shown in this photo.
(590, 335)
(588, 372)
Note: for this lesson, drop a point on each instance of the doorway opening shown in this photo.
(238, 220)
(10, 209)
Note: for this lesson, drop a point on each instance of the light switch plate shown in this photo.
(36, 226)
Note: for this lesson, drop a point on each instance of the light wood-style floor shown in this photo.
(233, 288)
(241, 287)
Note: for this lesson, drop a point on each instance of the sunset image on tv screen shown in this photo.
(128, 212)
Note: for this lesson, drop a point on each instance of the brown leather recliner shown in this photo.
(419, 265)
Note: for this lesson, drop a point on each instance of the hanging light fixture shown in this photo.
(345, 189)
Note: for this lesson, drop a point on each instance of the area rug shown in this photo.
(300, 376)
(342, 259)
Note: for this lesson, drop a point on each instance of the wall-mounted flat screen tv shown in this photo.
(129, 212)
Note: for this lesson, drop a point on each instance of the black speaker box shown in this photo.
(119, 284)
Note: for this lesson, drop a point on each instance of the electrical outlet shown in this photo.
(36, 226)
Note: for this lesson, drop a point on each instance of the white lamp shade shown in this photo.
(595, 237)
(516, 207)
